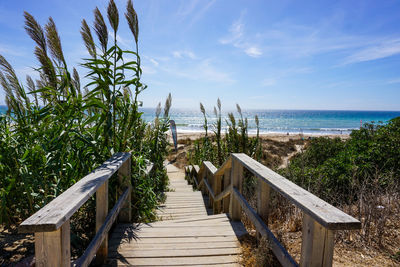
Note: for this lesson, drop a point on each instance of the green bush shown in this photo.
(335, 169)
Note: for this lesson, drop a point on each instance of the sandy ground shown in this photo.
(273, 136)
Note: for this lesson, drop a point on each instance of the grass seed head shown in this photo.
(112, 14)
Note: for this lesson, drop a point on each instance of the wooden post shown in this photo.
(201, 178)
(263, 200)
(217, 190)
(101, 214)
(235, 210)
(209, 179)
(53, 248)
(124, 178)
(317, 244)
(227, 182)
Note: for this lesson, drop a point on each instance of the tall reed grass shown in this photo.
(58, 130)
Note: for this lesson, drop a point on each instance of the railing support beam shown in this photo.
(263, 201)
(235, 210)
(124, 179)
(53, 248)
(317, 244)
(217, 190)
(227, 181)
(101, 214)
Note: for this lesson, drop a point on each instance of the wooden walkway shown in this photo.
(185, 235)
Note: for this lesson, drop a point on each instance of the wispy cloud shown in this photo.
(13, 51)
(393, 81)
(384, 49)
(268, 82)
(204, 70)
(253, 51)
(193, 10)
(238, 39)
(291, 40)
(127, 43)
(184, 54)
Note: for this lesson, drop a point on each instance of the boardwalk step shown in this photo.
(185, 234)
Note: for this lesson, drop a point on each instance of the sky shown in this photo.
(335, 55)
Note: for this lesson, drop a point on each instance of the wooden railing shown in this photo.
(320, 219)
(51, 224)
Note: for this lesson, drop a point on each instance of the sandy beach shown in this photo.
(281, 137)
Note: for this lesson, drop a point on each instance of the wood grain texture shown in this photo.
(101, 215)
(317, 244)
(280, 252)
(124, 180)
(53, 248)
(58, 211)
(326, 214)
(102, 233)
(235, 210)
(185, 236)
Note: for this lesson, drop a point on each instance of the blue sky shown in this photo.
(260, 54)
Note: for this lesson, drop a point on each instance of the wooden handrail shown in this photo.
(51, 224)
(59, 210)
(320, 219)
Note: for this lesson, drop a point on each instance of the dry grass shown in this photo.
(377, 244)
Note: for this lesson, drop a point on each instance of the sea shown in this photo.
(309, 122)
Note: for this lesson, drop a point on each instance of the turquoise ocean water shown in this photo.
(283, 121)
(279, 121)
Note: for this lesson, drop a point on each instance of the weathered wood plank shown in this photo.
(209, 189)
(101, 215)
(225, 166)
(317, 244)
(53, 248)
(227, 183)
(102, 233)
(175, 240)
(146, 246)
(196, 169)
(326, 214)
(203, 218)
(173, 261)
(263, 199)
(135, 253)
(235, 210)
(58, 211)
(121, 263)
(224, 193)
(124, 179)
(210, 167)
(280, 252)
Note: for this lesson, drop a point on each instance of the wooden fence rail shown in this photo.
(320, 219)
(51, 224)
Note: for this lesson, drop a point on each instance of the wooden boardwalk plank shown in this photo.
(185, 234)
(176, 261)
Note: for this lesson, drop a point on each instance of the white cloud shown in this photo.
(253, 51)
(238, 39)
